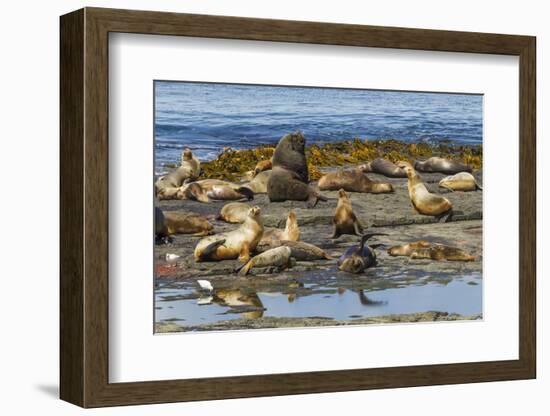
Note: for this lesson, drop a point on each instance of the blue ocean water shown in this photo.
(207, 116)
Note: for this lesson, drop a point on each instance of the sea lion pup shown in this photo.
(462, 181)
(423, 201)
(290, 233)
(233, 244)
(258, 185)
(289, 177)
(234, 212)
(384, 167)
(300, 250)
(345, 221)
(187, 223)
(407, 249)
(225, 191)
(277, 257)
(441, 165)
(263, 165)
(352, 181)
(190, 169)
(441, 252)
(358, 258)
(191, 191)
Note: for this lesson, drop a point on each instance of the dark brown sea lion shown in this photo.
(345, 221)
(441, 165)
(161, 230)
(384, 167)
(423, 201)
(352, 181)
(233, 244)
(289, 177)
(187, 223)
(189, 170)
(357, 259)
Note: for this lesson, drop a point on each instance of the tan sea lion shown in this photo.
(441, 165)
(441, 252)
(289, 176)
(290, 233)
(345, 221)
(423, 201)
(407, 249)
(258, 185)
(300, 250)
(277, 257)
(187, 223)
(234, 212)
(189, 169)
(462, 181)
(168, 193)
(352, 181)
(224, 190)
(189, 191)
(233, 244)
(384, 167)
(263, 165)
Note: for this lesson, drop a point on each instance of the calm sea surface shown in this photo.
(208, 117)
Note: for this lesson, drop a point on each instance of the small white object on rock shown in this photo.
(171, 257)
(206, 285)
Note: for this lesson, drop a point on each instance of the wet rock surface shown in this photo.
(391, 214)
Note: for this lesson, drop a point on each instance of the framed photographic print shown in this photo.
(255, 207)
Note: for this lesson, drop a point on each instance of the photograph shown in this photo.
(282, 206)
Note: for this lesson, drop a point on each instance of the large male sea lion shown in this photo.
(352, 181)
(384, 167)
(187, 223)
(345, 221)
(359, 257)
(277, 257)
(423, 201)
(290, 233)
(234, 212)
(189, 170)
(233, 244)
(289, 176)
(462, 181)
(441, 165)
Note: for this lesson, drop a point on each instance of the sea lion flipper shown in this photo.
(244, 254)
(247, 192)
(244, 268)
(211, 249)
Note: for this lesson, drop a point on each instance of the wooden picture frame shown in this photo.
(84, 207)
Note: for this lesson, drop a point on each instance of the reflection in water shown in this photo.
(186, 303)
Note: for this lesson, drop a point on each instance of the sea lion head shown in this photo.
(353, 264)
(192, 191)
(407, 167)
(365, 168)
(167, 193)
(187, 154)
(342, 194)
(254, 212)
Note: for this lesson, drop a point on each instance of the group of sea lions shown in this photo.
(285, 177)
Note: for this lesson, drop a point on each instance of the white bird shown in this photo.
(170, 257)
(206, 285)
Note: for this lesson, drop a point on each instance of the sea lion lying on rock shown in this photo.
(290, 233)
(233, 244)
(462, 181)
(289, 176)
(441, 165)
(424, 250)
(234, 212)
(258, 185)
(187, 223)
(189, 170)
(189, 191)
(276, 257)
(352, 181)
(357, 259)
(423, 201)
(225, 191)
(345, 221)
(384, 167)
(300, 250)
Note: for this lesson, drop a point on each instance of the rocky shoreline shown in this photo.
(391, 214)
